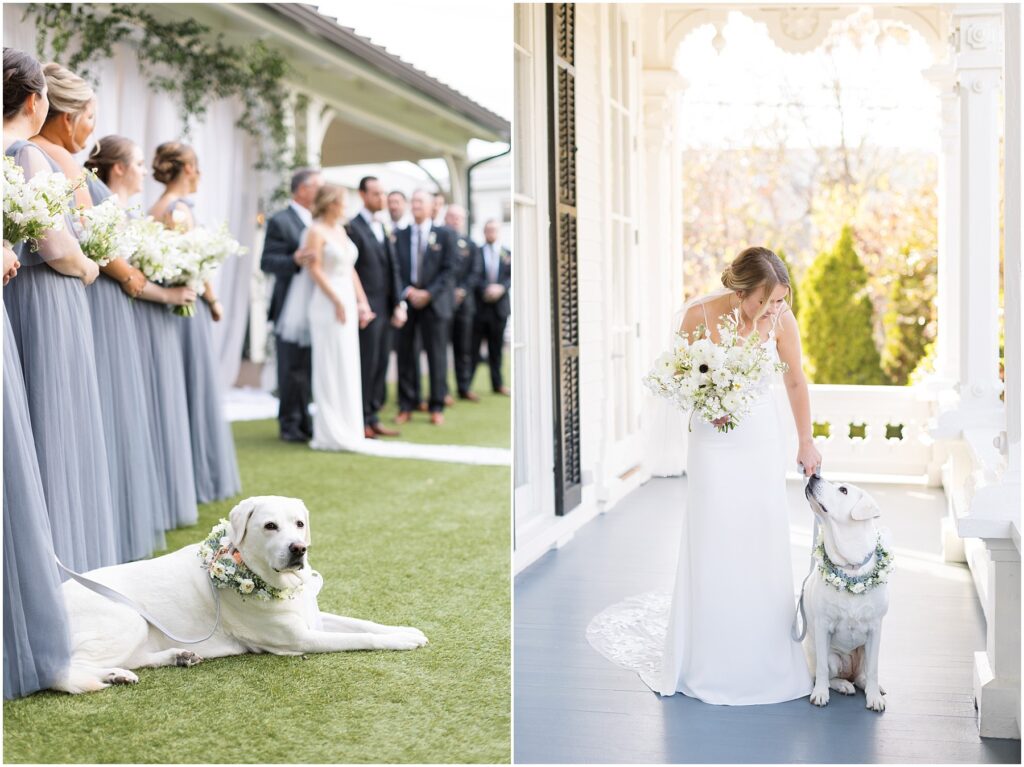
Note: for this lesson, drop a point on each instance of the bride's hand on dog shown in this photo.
(809, 456)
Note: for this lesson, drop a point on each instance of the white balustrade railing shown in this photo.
(875, 429)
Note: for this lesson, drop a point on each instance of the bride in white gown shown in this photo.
(724, 635)
(325, 307)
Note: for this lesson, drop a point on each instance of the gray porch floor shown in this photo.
(573, 705)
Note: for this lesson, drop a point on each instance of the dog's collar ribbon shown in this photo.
(833, 575)
(224, 564)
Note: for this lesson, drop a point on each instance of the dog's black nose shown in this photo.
(297, 548)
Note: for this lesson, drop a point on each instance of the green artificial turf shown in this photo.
(485, 423)
(415, 543)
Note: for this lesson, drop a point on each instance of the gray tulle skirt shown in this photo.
(50, 322)
(162, 370)
(213, 448)
(36, 641)
(139, 501)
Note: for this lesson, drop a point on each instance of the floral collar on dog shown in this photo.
(855, 584)
(224, 564)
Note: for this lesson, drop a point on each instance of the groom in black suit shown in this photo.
(282, 258)
(426, 263)
(377, 268)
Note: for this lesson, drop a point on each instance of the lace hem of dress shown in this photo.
(631, 633)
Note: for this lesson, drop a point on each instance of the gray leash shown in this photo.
(120, 598)
(798, 634)
(796, 631)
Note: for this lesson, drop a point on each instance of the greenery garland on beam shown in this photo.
(181, 58)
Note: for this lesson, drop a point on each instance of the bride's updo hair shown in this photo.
(108, 152)
(68, 93)
(327, 194)
(170, 160)
(756, 268)
(23, 76)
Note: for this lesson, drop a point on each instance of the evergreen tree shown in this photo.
(835, 319)
(908, 317)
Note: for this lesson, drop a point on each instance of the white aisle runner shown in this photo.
(248, 404)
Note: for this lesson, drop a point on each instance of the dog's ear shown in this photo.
(238, 520)
(865, 508)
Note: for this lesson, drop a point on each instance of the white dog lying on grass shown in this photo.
(267, 594)
(848, 595)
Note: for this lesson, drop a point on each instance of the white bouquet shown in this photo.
(155, 250)
(203, 251)
(103, 232)
(717, 381)
(36, 206)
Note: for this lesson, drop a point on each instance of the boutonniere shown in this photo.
(432, 239)
(506, 258)
(462, 243)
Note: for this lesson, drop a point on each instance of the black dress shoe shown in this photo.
(294, 436)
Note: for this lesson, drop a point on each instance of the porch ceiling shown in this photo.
(346, 143)
(408, 114)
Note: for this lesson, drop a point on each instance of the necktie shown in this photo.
(421, 247)
(492, 264)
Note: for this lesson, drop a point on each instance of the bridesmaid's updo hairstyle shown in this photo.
(327, 194)
(23, 76)
(170, 160)
(756, 268)
(108, 152)
(68, 93)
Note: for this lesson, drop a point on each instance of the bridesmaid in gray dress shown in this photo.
(121, 167)
(139, 499)
(49, 316)
(36, 638)
(213, 449)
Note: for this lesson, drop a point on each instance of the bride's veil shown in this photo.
(668, 425)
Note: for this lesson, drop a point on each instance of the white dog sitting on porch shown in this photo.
(848, 595)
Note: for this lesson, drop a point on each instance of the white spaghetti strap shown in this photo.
(703, 308)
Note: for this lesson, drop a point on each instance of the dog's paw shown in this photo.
(819, 696)
(187, 658)
(410, 631)
(399, 641)
(842, 686)
(120, 676)
(874, 700)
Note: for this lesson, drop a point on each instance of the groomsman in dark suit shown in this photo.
(397, 203)
(282, 258)
(469, 274)
(426, 263)
(493, 305)
(377, 268)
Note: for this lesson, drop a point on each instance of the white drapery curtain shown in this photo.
(229, 188)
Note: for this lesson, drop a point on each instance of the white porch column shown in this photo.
(661, 240)
(993, 489)
(978, 35)
(457, 168)
(943, 77)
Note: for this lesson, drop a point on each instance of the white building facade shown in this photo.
(598, 229)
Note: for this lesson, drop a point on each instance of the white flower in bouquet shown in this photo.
(33, 207)
(154, 250)
(718, 381)
(204, 250)
(103, 232)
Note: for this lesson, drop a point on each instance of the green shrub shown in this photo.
(908, 317)
(835, 319)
